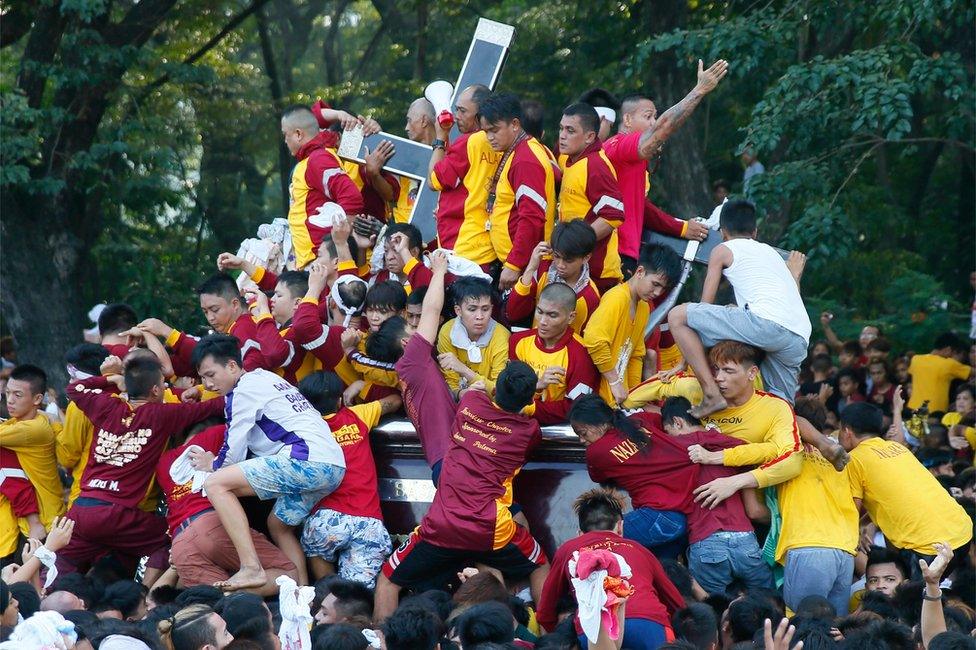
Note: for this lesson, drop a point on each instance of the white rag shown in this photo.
(45, 630)
(181, 471)
(460, 339)
(296, 619)
(460, 267)
(591, 597)
(348, 310)
(48, 559)
(714, 219)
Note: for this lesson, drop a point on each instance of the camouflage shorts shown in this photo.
(359, 545)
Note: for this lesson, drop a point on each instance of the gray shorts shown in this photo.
(297, 485)
(785, 350)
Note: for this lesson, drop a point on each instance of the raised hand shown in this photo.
(111, 366)
(932, 573)
(155, 327)
(60, 534)
(341, 229)
(257, 302)
(227, 261)
(708, 79)
(780, 640)
(317, 276)
(438, 262)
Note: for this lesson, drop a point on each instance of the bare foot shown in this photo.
(709, 404)
(836, 455)
(243, 579)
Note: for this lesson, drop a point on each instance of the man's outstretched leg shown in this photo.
(694, 353)
(223, 489)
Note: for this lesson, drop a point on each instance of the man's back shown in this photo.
(931, 377)
(907, 503)
(764, 285)
(489, 447)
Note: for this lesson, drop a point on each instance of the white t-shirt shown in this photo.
(764, 286)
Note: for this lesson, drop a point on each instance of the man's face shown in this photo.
(573, 138)
(475, 314)
(294, 138)
(588, 433)
(391, 259)
(642, 117)
(327, 612)
(847, 386)
(8, 617)
(553, 319)
(377, 315)
(878, 375)
(649, 285)
(415, 125)
(884, 578)
(20, 398)
(568, 268)
(283, 303)
(220, 631)
(964, 402)
(466, 113)
(220, 312)
(719, 194)
(734, 379)
(501, 135)
(846, 359)
(413, 315)
(219, 378)
(868, 334)
(845, 436)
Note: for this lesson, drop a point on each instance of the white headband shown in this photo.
(349, 311)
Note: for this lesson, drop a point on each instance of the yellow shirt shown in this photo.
(615, 338)
(817, 508)
(767, 424)
(33, 442)
(931, 376)
(907, 503)
(405, 199)
(494, 357)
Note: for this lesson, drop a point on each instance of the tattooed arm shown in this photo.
(654, 138)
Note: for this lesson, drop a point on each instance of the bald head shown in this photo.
(560, 295)
(298, 126)
(420, 107)
(420, 121)
(467, 106)
(62, 602)
(638, 113)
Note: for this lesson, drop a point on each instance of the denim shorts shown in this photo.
(297, 485)
(725, 557)
(360, 545)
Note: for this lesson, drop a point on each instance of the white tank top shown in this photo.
(764, 286)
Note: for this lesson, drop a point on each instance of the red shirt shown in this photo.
(181, 501)
(281, 352)
(622, 150)
(117, 349)
(426, 397)
(243, 329)
(15, 486)
(322, 341)
(128, 442)
(488, 448)
(655, 596)
(357, 494)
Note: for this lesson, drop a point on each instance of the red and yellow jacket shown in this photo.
(521, 302)
(552, 404)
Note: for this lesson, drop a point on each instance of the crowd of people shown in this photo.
(755, 488)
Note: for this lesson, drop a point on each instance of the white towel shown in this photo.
(181, 471)
(591, 597)
(715, 217)
(296, 619)
(48, 559)
(460, 339)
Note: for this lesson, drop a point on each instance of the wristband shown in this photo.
(614, 383)
(925, 596)
(47, 557)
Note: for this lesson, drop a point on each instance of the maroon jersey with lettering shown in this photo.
(128, 441)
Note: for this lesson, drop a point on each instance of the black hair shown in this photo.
(600, 97)
(87, 357)
(680, 577)
(746, 615)
(533, 118)
(883, 555)
(821, 363)
(416, 297)
(329, 244)
(296, 281)
(246, 617)
(627, 101)
(386, 295)
(340, 637)
(414, 238)
(27, 597)
(515, 386)
(589, 119)
(850, 373)
(851, 347)
(220, 284)
(949, 340)
(353, 294)
(412, 628)
(439, 599)
(816, 606)
(479, 93)
(814, 632)
(500, 107)
(488, 622)
(678, 407)
(141, 374)
(721, 182)
(950, 641)
(164, 595)
(323, 389)
(34, 376)
(116, 318)
(189, 628)
(863, 418)
(114, 627)
(470, 287)
(696, 624)
(80, 585)
(199, 594)
(573, 239)
(384, 344)
(738, 217)
(813, 410)
(660, 259)
(593, 411)
(125, 596)
(880, 635)
(598, 509)
(353, 598)
(222, 348)
(965, 388)
(85, 622)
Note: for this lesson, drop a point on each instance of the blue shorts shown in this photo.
(360, 545)
(297, 485)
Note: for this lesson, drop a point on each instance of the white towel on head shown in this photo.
(296, 619)
(460, 267)
(460, 339)
(181, 471)
(714, 219)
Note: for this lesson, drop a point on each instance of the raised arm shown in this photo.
(430, 315)
(720, 259)
(654, 138)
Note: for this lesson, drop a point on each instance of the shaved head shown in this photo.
(631, 103)
(560, 295)
(301, 119)
(420, 107)
(62, 602)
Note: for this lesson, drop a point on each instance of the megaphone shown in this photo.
(439, 93)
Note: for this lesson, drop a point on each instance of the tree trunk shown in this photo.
(420, 60)
(285, 161)
(681, 179)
